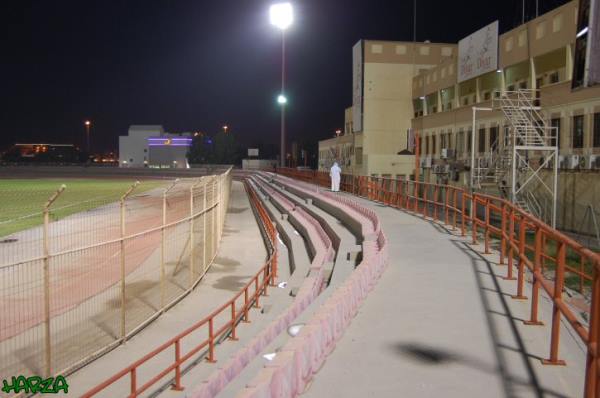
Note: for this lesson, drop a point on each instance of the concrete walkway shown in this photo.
(241, 255)
(441, 322)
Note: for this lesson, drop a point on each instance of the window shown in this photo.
(376, 48)
(494, 136)
(449, 139)
(596, 137)
(446, 51)
(424, 50)
(523, 85)
(557, 23)
(427, 145)
(359, 155)
(510, 88)
(554, 77)
(509, 44)
(540, 30)
(481, 140)
(400, 50)
(578, 131)
(522, 38)
(433, 145)
(487, 96)
(443, 140)
(469, 137)
(555, 124)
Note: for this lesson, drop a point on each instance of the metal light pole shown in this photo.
(87, 135)
(282, 16)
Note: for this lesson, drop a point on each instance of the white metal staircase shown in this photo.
(506, 166)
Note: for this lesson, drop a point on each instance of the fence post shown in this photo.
(204, 227)
(559, 280)
(46, 253)
(162, 246)
(192, 224)
(122, 241)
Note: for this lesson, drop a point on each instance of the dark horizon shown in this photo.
(192, 65)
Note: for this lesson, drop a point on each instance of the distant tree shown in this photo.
(226, 148)
(201, 151)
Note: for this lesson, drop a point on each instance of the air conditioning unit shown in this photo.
(572, 162)
(436, 169)
(594, 161)
(446, 168)
(562, 162)
(426, 162)
(584, 162)
(448, 153)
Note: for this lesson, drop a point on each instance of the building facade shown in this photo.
(149, 146)
(537, 56)
(375, 139)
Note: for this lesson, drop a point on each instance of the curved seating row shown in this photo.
(322, 252)
(302, 356)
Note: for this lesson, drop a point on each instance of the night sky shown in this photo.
(196, 65)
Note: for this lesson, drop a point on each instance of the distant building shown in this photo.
(150, 146)
(43, 153)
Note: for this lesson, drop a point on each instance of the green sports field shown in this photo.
(22, 200)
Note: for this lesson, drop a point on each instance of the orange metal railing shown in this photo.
(249, 295)
(553, 258)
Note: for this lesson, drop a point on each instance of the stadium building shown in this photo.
(539, 66)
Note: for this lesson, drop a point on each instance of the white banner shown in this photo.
(478, 53)
(357, 87)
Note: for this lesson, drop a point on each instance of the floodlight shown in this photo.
(281, 99)
(281, 15)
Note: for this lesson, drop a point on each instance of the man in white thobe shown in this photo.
(335, 174)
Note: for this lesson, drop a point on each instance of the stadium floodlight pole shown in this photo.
(87, 134)
(282, 16)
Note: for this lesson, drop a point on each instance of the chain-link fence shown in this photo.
(78, 277)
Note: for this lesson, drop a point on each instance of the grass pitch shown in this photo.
(22, 200)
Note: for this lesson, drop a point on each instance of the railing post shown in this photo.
(511, 251)
(559, 280)
(177, 386)
(435, 202)
(455, 207)
(211, 341)
(592, 378)
(233, 323)
(535, 291)
(425, 204)
(463, 216)
(447, 192)
(46, 271)
(246, 304)
(503, 234)
(521, 256)
(256, 293)
(474, 218)
(416, 196)
(122, 252)
(487, 226)
(133, 382)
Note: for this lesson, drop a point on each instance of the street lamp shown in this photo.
(87, 134)
(225, 127)
(282, 16)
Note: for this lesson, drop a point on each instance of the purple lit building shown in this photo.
(150, 146)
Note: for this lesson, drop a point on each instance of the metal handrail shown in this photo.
(262, 279)
(458, 208)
